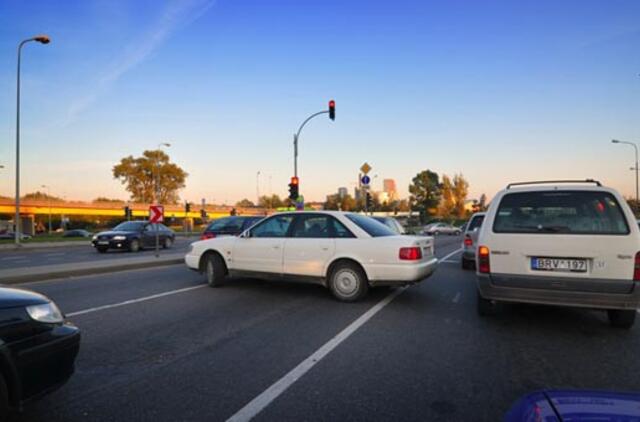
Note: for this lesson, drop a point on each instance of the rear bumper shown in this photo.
(630, 300)
(468, 254)
(398, 275)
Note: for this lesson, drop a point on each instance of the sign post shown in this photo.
(156, 215)
(365, 180)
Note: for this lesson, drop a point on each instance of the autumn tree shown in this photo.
(271, 202)
(102, 199)
(245, 203)
(337, 202)
(153, 171)
(447, 201)
(425, 193)
(41, 196)
(460, 191)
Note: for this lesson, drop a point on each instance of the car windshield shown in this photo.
(476, 222)
(560, 212)
(371, 226)
(130, 226)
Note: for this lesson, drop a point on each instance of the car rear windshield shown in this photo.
(475, 223)
(130, 226)
(561, 212)
(372, 227)
(228, 224)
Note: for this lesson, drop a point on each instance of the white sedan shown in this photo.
(343, 251)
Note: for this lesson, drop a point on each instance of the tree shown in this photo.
(271, 202)
(634, 205)
(402, 206)
(460, 192)
(139, 175)
(245, 203)
(41, 196)
(447, 202)
(425, 193)
(482, 203)
(107, 200)
(344, 203)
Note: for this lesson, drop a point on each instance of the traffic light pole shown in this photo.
(296, 136)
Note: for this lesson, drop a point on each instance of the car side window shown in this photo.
(338, 230)
(311, 226)
(276, 226)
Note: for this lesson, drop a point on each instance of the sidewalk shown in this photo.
(48, 272)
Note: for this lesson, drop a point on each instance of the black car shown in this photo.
(133, 236)
(76, 233)
(229, 226)
(38, 348)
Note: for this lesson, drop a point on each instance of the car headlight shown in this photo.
(47, 312)
(119, 237)
(95, 237)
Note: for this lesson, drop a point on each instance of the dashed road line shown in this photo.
(456, 298)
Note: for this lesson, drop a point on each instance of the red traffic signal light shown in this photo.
(294, 180)
(332, 110)
(293, 188)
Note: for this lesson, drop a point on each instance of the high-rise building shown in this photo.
(389, 187)
(342, 192)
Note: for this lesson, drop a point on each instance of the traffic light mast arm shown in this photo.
(295, 140)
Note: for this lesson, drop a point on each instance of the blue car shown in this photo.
(575, 405)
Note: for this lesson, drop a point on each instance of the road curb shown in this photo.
(44, 273)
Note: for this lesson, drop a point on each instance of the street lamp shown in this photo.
(258, 188)
(48, 188)
(635, 147)
(43, 39)
(157, 193)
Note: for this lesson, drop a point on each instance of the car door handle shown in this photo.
(325, 249)
(276, 247)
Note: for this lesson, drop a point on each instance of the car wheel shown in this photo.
(486, 307)
(168, 242)
(458, 233)
(436, 233)
(214, 269)
(348, 282)
(102, 250)
(622, 318)
(134, 245)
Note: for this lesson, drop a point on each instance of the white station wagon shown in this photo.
(346, 252)
(554, 243)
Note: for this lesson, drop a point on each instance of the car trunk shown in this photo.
(591, 263)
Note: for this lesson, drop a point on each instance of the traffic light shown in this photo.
(293, 188)
(187, 207)
(332, 110)
(369, 200)
(127, 213)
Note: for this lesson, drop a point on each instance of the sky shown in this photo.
(499, 91)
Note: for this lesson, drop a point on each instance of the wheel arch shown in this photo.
(207, 253)
(343, 259)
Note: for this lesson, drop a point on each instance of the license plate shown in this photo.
(103, 242)
(559, 264)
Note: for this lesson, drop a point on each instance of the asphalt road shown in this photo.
(75, 253)
(199, 353)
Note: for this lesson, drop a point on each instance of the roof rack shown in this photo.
(544, 182)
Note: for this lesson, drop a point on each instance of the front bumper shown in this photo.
(401, 274)
(192, 261)
(582, 299)
(48, 361)
(111, 244)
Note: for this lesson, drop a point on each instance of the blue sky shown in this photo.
(497, 90)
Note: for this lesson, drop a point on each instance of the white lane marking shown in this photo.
(449, 261)
(55, 254)
(456, 298)
(11, 258)
(132, 301)
(255, 406)
(450, 255)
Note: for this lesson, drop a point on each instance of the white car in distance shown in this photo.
(346, 252)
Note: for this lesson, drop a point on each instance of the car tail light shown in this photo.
(413, 253)
(468, 242)
(484, 265)
(636, 268)
(207, 235)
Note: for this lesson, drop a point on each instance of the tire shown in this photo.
(102, 250)
(486, 307)
(622, 318)
(214, 269)
(134, 245)
(168, 242)
(348, 282)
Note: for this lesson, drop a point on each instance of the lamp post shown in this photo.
(42, 39)
(258, 188)
(48, 188)
(635, 147)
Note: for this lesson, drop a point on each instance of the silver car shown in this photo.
(441, 228)
(470, 241)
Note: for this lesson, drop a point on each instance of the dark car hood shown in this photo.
(11, 298)
(573, 405)
(114, 233)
